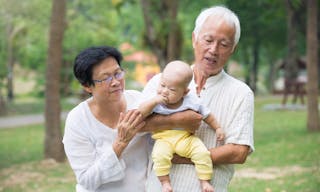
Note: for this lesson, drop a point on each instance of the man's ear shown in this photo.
(234, 48)
(193, 39)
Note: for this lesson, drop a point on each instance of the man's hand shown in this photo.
(189, 120)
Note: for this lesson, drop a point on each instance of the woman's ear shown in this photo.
(87, 88)
(186, 91)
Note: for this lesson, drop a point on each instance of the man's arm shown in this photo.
(229, 154)
(189, 120)
(226, 154)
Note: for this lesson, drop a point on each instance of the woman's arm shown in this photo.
(93, 163)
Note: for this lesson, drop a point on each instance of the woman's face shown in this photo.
(108, 80)
(213, 46)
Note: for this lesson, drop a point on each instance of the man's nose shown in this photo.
(214, 48)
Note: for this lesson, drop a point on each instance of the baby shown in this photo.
(173, 96)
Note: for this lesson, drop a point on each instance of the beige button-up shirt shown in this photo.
(232, 103)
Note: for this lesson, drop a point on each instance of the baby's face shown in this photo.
(171, 88)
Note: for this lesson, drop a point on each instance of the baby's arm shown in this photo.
(146, 107)
(213, 123)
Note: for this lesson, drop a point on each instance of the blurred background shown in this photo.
(40, 39)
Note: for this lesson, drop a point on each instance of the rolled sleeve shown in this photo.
(241, 128)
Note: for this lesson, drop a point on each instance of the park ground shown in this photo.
(286, 157)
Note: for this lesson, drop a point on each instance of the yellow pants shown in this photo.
(184, 144)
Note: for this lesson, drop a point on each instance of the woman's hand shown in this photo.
(128, 125)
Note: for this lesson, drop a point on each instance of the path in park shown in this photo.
(16, 121)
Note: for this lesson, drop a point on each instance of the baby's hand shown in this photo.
(220, 134)
(161, 99)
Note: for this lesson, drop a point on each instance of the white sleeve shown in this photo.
(91, 171)
(241, 128)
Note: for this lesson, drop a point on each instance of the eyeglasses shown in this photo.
(118, 76)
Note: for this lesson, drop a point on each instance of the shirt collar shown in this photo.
(212, 80)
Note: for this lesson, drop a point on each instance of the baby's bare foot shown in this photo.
(166, 187)
(206, 186)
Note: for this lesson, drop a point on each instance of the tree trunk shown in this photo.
(53, 147)
(255, 64)
(291, 69)
(10, 62)
(312, 67)
(12, 32)
(66, 78)
(3, 107)
(291, 66)
(173, 39)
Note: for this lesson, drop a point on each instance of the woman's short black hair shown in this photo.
(90, 57)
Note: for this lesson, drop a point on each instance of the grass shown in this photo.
(22, 167)
(286, 159)
(20, 145)
(284, 150)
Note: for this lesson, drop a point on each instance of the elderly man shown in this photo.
(214, 39)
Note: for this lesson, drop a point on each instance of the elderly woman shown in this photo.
(100, 139)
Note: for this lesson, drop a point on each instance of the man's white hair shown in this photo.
(229, 16)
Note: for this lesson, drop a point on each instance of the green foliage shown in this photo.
(87, 28)
(257, 19)
(100, 22)
(130, 25)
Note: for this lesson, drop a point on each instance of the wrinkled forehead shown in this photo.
(216, 24)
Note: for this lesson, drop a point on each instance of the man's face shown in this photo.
(213, 46)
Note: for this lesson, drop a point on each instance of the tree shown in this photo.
(312, 66)
(291, 68)
(12, 33)
(262, 35)
(163, 34)
(53, 147)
